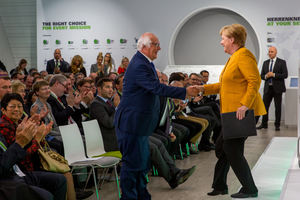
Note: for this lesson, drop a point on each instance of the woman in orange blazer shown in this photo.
(238, 88)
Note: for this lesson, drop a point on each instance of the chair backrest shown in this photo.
(93, 138)
(73, 144)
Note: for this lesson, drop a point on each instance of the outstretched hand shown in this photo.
(192, 91)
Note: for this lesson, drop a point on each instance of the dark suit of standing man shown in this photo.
(137, 116)
(56, 65)
(274, 71)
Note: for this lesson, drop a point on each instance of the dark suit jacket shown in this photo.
(11, 156)
(62, 114)
(281, 73)
(51, 65)
(139, 109)
(105, 114)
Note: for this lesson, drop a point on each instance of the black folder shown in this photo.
(235, 128)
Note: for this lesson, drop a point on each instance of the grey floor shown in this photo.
(200, 182)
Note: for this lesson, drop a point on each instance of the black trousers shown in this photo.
(161, 159)
(267, 98)
(230, 153)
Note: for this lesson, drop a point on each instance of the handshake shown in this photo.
(193, 91)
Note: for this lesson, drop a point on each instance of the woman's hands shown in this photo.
(240, 113)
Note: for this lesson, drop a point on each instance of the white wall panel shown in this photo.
(19, 25)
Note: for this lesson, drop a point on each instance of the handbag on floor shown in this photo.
(52, 161)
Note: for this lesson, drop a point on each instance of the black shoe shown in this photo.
(205, 147)
(277, 128)
(262, 127)
(242, 195)
(84, 194)
(216, 192)
(181, 177)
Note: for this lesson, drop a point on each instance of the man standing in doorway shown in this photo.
(137, 116)
(274, 71)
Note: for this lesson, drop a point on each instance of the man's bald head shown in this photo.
(176, 84)
(272, 52)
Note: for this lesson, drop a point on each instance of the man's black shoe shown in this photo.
(262, 127)
(216, 192)
(84, 194)
(181, 177)
(205, 147)
(277, 128)
(242, 195)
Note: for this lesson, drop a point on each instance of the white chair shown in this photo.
(95, 147)
(75, 153)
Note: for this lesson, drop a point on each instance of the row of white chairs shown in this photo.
(76, 154)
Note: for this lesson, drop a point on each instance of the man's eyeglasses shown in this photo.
(156, 44)
(63, 84)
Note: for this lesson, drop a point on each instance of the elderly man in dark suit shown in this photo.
(56, 65)
(274, 71)
(137, 116)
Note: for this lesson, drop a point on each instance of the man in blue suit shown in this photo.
(137, 115)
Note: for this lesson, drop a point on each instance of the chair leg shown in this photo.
(104, 177)
(154, 171)
(111, 174)
(88, 178)
(187, 149)
(147, 178)
(95, 182)
(180, 151)
(101, 177)
(117, 181)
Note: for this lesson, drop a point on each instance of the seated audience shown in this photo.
(43, 74)
(35, 74)
(17, 76)
(77, 66)
(103, 110)
(12, 108)
(98, 67)
(26, 185)
(108, 65)
(124, 64)
(3, 73)
(42, 90)
(21, 68)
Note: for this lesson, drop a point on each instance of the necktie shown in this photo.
(56, 64)
(270, 80)
(109, 103)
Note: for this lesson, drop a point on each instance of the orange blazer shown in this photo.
(239, 83)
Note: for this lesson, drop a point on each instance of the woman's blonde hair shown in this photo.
(125, 58)
(235, 31)
(15, 84)
(79, 58)
(110, 63)
(100, 55)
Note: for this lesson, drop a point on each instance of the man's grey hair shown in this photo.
(57, 77)
(144, 41)
(200, 76)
